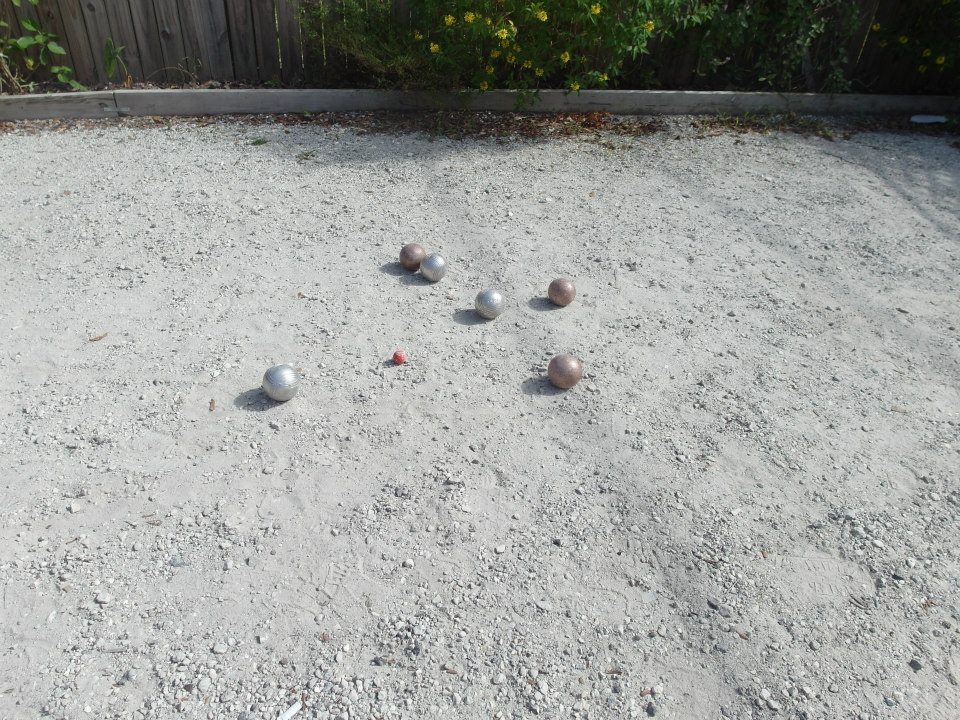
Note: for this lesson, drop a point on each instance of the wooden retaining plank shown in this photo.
(77, 43)
(243, 44)
(652, 102)
(291, 50)
(171, 40)
(208, 37)
(630, 102)
(267, 40)
(147, 31)
(58, 105)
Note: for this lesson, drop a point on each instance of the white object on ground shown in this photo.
(928, 119)
(291, 711)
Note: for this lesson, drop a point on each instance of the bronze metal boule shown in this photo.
(565, 371)
(561, 292)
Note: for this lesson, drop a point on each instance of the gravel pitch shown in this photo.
(748, 508)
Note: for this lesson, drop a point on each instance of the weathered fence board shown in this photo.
(28, 12)
(98, 31)
(123, 35)
(145, 27)
(75, 40)
(204, 25)
(171, 40)
(291, 53)
(267, 40)
(243, 44)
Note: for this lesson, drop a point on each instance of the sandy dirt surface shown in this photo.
(747, 509)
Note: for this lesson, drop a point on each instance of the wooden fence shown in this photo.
(254, 41)
(260, 42)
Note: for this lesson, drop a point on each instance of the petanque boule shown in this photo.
(561, 292)
(411, 255)
(281, 382)
(565, 371)
(489, 304)
(433, 268)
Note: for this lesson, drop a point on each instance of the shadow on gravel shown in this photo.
(468, 316)
(539, 385)
(254, 400)
(406, 277)
(393, 268)
(542, 304)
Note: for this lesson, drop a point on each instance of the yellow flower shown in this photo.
(469, 17)
(494, 54)
(564, 57)
(488, 21)
(434, 48)
(595, 9)
(538, 72)
(927, 52)
(511, 59)
(528, 64)
(603, 77)
(449, 20)
(489, 69)
(903, 39)
(417, 35)
(502, 33)
(875, 27)
(542, 15)
(504, 43)
(922, 68)
(649, 26)
(483, 85)
(574, 86)
(941, 59)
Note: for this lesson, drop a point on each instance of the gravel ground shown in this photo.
(748, 508)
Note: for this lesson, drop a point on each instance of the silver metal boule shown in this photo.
(489, 304)
(281, 382)
(433, 268)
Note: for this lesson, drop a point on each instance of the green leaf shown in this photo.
(16, 3)
(24, 42)
(29, 26)
(56, 48)
(75, 85)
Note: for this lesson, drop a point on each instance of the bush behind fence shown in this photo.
(786, 45)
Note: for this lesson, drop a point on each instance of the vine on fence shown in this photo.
(22, 55)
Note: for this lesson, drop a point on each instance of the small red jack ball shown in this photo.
(400, 357)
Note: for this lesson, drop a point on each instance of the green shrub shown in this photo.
(492, 43)
(22, 55)
(783, 45)
(917, 43)
(780, 45)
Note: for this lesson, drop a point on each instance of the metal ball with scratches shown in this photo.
(281, 382)
(489, 304)
(565, 371)
(411, 255)
(433, 268)
(561, 292)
